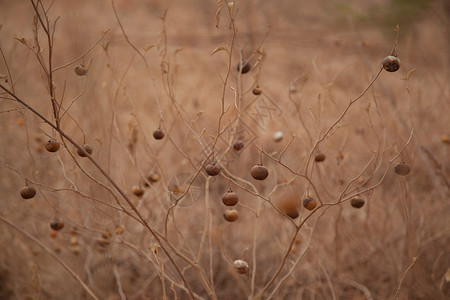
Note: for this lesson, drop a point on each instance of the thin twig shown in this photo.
(85, 53)
(403, 277)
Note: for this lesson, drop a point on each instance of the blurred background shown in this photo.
(310, 58)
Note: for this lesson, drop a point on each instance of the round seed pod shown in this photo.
(231, 215)
(289, 206)
(292, 213)
(357, 202)
(52, 146)
(138, 191)
(278, 136)
(80, 70)
(259, 172)
(87, 148)
(293, 88)
(152, 177)
(56, 225)
(73, 241)
(241, 266)
(212, 169)
(245, 69)
(119, 229)
(309, 203)
(257, 91)
(158, 134)
(445, 139)
(391, 63)
(230, 198)
(402, 169)
(27, 192)
(320, 157)
(238, 145)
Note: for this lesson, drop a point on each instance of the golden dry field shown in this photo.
(224, 150)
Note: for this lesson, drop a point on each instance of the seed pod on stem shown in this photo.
(212, 169)
(231, 215)
(87, 148)
(391, 63)
(245, 68)
(80, 70)
(309, 203)
(158, 134)
(56, 224)
(257, 90)
(138, 190)
(259, 172)
(238, 145)
(230, 198)
(27, 192)
(357, 202)
(52, 145)
(402, 169)
(241, 266)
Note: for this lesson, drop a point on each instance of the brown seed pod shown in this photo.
(80, 70)
(402, 169)
(212, 169)
(257, 91)
(238, 145)
(391, 63)
(158, 134)
(293, 88)
(259, 172)
(52, 146)
(152, 178)
(73, 241)
(445, 139)
(245, 69)
(309, 203)
(230, 198)
(138, 191)
(27, 192)
(357, 202)
(241, 266)
(87, 148)
(292, 213)
(56, 225)
(119, 229)
(231, 215)
(289, 206)
(320, 157)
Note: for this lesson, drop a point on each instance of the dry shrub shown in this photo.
(119, 75)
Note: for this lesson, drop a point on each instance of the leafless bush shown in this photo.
(237, 173)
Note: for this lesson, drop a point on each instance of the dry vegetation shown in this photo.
(139, 218)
